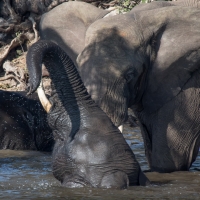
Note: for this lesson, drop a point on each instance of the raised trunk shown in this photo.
(66, 79)
(69, 93)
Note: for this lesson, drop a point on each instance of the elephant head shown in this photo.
(107, 58)
(23, 123)
(89, 150)
(144, 60)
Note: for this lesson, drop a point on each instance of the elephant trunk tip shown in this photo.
(29, 90)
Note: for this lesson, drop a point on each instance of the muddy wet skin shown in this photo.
(27, 175)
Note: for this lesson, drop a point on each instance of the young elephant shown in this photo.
(23, 123)
(89, 150)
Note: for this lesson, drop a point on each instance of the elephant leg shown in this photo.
(117, 180)
(196, 146)
(147, 143)
(143, 180)
(176, 130)
(74, 181)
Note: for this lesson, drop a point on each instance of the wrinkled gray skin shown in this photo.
(89, 150)
(23, 123)
(148, 61)
(70, 33)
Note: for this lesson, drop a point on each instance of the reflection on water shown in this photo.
(27, 175)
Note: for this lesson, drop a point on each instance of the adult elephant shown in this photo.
(89, 150)
(145, 60)
(23, 123)
(160, 4)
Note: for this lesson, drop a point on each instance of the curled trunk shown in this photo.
(70, 96)
(65, 76)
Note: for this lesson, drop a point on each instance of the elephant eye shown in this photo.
(129, 75)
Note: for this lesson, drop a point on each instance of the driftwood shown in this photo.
(19, 21)
(13, 72)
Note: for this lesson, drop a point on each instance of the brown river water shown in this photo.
(27, 175)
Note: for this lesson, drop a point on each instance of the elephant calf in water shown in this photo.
(89, 150)
(23, 123)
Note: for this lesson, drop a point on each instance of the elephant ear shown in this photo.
(177, 58)
(66, 25)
